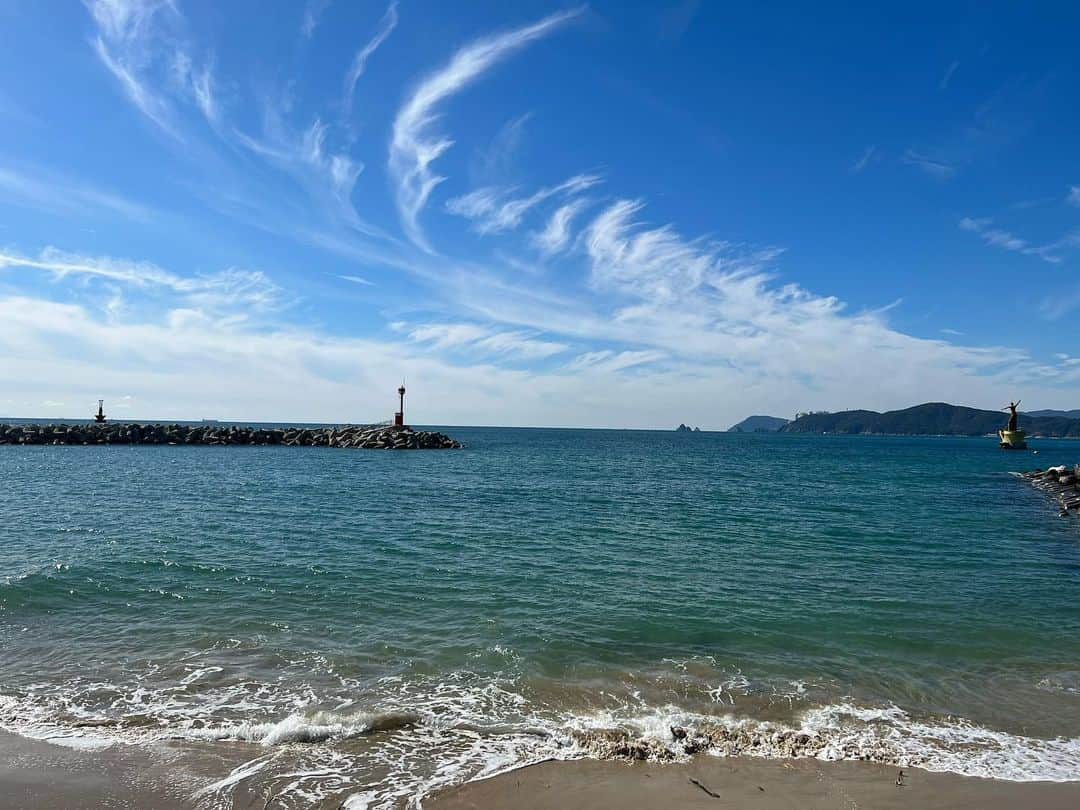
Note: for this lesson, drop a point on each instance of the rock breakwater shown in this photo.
(365, 437)
(1061, 482)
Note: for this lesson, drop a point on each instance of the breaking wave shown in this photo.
(431, 736)
(317, 727)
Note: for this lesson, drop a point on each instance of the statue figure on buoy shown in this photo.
(99, 417)
(399, 417)
(1012, 438)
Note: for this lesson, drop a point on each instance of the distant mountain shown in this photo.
(1073, 414)
(931, 419)
(759, 424)
(687, 429)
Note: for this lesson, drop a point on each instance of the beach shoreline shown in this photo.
(40, 774)
(709, 782)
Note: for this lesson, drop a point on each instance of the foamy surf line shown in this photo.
(424, 750)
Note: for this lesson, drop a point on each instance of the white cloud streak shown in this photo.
(996, 237)
(1060, 304)
(306, 156)
(482, 340)
(126, 30)
(492, 213)
(359, 63)
(932, 166)
(358, 280)
(51, 192)
(313, 11)
(556, 234)
(198, 85)
(868, 156)
(137, 43)
(606, 361)
(212, 291)
(493, 164)
(413, 147)
(949, 71)
(150, 104)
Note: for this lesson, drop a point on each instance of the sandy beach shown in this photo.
(710, 783)
(35, 774)
(40, 774)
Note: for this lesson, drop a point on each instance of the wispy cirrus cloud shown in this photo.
(713, 308)
(53, 192)
(1073, 197)
(387, 24)
(992, 236)
(935, 167)
(313, 11)
(149, 103)
(327, 174)
(483, 340)
(198, 83)
(868, 156)
(607, 361)
(491, 211)
(556, 234)
(493, 163)
(127, 30)
(1058, 305)
(357, 280)
(414, 147)
(140, 43)
(227, 288)
(947, 77)
(657, 263)
(996, 237)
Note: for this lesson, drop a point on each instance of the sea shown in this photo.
(365, 628)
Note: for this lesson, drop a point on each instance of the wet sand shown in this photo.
(36, 774)
(745, 783)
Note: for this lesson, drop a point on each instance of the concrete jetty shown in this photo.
(363, 437)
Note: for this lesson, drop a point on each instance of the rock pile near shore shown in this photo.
(753, 739)
(1061, 482)
(366, 437)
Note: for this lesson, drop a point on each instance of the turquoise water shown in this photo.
(403, 621)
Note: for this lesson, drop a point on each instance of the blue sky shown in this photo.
(611, 214)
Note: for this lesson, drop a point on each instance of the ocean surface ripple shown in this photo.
(369, 628)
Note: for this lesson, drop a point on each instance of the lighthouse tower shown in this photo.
(399, 417)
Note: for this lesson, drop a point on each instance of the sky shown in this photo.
(613, 214)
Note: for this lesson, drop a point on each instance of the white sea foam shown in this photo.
(237, 775)
(199, 673)
(300, 728)
(435, 733)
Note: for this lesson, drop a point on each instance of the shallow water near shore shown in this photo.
(379, 625)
